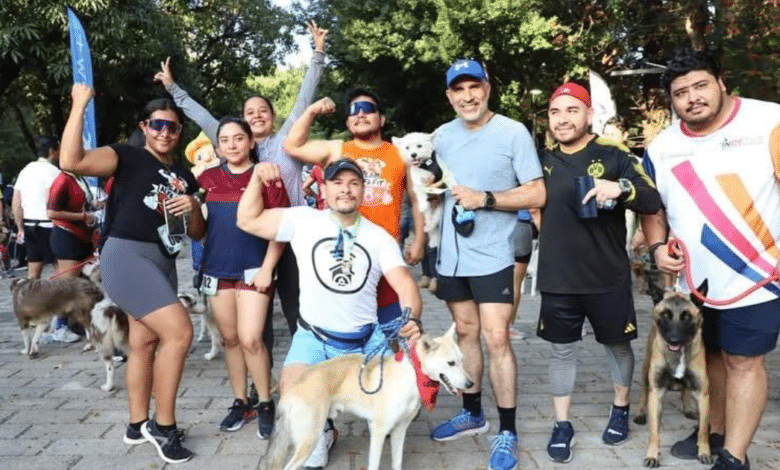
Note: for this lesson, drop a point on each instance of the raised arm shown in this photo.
(202, 117)
(101, 161)
(252, 217)
(311, 80)
(297, 143)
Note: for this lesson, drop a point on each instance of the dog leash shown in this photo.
(392, 332)
(678, 244)
(74, 268)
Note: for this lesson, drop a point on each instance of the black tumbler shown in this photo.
(589, 209)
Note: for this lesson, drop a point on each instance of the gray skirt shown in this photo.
(137, 276)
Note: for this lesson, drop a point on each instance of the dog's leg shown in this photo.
(216, 338)
(377, 442)
(689, 410)
(654, 407)
(397, 436)
(703, 439)
(36, 339)
(108, 360)
(202, 333)
(305, 421)
(25, 340)
(641, 415)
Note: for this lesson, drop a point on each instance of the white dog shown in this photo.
(332, 386)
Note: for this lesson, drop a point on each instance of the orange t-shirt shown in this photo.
(385, 178)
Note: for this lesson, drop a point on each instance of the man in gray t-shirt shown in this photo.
(496, 171)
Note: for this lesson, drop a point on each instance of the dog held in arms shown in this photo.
(675, 360)
(333, 386)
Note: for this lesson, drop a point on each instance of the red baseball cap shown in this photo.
(572, 89)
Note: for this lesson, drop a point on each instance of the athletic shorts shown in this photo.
(496, 288)
(37, 242)
(305, 348)
(611, 315)
(746, 331)
(137, 276)
(65, 245)
(523, 237)
(239, 284)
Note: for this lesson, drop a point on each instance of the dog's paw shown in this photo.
(692, 415)
(640, 419)
(106, 387)
(88, 347)
(24, 351)
(651, 462)
(210, 356)
(33, 355)
(706, 459)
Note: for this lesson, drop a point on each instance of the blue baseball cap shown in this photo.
(465, 68)
(337, 166)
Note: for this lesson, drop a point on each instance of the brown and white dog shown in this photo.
(36, 301)
(333, 386)
(108, 333)
(199, 305)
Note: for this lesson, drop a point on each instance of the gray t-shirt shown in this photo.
(271, 149)
(496, 157)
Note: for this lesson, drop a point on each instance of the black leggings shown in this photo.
(289, 294)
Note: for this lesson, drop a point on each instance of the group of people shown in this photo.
(339, 271)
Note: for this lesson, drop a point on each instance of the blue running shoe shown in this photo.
(561, 442)
(503, 451)
(462, 424)
(617, 428)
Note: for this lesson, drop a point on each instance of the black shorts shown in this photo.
(37, 244)
(745, 331)
(65, 245)
(611, 315)
(496, 288)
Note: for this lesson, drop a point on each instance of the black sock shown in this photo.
(506, 420)
(472, 402)
(620, 408)
(166, 429)
(137, 426)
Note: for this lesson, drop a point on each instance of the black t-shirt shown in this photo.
(141, 185)
(588, 256)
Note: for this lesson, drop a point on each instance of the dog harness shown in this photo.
(426, 386)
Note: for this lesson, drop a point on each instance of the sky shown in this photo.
(304, 43)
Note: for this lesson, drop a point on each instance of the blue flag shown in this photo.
(81, 59)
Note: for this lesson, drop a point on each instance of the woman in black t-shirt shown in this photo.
(148, 210)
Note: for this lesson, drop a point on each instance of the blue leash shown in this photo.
(392, 332)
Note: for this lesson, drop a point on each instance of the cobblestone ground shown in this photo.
(54, 416)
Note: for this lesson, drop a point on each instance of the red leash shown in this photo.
(74, 268)
(678, 244)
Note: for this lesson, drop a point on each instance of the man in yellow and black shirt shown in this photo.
(583, 265)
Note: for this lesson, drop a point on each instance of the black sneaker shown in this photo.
(254, 398)
(240, 413)
(133, 437)
(726, 461)
(616, 431)
(688, 448)
(167, 445)
(561, 442)
(266, 414)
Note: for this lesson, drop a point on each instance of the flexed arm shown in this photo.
(297, 143)
(101, 161)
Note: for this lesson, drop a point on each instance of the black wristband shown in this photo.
(418, 321)
(654, 247)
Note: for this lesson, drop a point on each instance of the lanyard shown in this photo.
(345, 242)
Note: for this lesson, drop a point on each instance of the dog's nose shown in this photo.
(469, 384)
(414, 155)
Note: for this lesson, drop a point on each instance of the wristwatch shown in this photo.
(490, 201)
(626, 187)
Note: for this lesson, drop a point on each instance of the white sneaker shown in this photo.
(64, 335)
(319, 456)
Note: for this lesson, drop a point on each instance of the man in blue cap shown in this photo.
(494, 163)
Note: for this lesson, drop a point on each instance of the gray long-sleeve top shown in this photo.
(270, 149)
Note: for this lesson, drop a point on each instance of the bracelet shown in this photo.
(419, 323)
(654, 247)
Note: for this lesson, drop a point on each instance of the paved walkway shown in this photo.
(53, 415)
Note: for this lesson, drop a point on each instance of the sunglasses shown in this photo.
(157, 125)
(366, 106)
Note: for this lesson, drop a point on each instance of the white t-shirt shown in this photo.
(335, 296)
(33, 184)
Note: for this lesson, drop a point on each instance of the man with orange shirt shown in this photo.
(386, 175)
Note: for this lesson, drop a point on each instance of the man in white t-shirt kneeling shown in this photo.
(341, 257)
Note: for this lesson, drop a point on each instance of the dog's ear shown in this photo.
(703, 288)
(396, 141)
(452, 333)
(656, 292)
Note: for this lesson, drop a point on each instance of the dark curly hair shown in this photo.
(687, 60)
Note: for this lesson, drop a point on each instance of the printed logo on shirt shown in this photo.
(156, 197)
(548, 170)
(377, 189)
(596, 168)
(339, 275)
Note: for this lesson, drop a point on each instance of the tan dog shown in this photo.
(332, 386)
(675, 360)
(36, 301)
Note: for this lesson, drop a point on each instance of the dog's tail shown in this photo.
(280, 442)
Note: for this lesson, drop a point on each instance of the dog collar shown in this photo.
(426, 386)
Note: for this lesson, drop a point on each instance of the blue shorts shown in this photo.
(746, 331)
(306, 348)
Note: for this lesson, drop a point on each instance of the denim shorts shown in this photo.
(306, 348)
